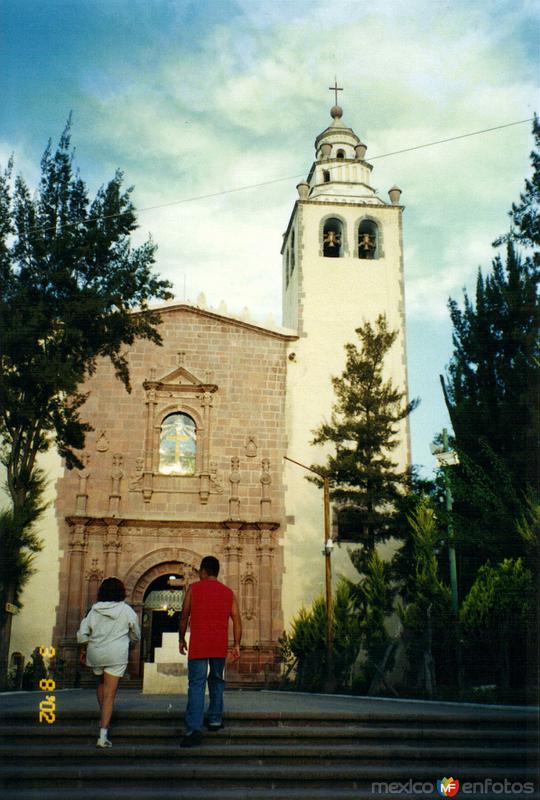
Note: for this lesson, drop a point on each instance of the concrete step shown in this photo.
(224, 750)
(183, 771)
(476, 720)
(288, 754)
(276, 792)
(74, 730)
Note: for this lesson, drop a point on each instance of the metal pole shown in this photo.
(451, 541)
(328, 572)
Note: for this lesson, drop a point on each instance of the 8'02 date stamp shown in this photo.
(47, 707)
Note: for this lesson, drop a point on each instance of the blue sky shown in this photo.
(191, 98)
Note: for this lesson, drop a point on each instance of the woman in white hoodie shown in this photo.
(106, 632)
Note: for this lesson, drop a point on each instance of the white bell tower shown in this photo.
(342, 266)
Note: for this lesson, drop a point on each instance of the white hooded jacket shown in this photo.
(108, 628)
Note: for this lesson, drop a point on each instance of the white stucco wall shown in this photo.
(33, 624)
(337, 295)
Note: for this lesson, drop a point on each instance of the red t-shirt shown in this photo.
(211, 603)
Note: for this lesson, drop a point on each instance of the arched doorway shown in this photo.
(162, 603)
(150, 573)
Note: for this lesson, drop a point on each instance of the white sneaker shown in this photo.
(103, 743)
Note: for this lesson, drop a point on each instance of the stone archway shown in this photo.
(157, 563)
(144, 572)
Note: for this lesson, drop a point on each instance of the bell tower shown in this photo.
(342, 266)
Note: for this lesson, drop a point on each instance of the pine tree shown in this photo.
(492, 390)
(364, 430)
(72, 290)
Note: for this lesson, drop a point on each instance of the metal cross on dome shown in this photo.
(335, 88)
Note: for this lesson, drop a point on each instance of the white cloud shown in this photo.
(245, 104)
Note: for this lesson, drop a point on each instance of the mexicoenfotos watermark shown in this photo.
(449, 787)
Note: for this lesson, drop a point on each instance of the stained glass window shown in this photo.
(178, 445)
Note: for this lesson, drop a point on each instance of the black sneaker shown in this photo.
(192, 739)
(212, 727)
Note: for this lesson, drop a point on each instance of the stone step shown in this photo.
(224, 751)
(277, 755)
(474, 720)
(131, 732)
(277, 792)
(186, 769)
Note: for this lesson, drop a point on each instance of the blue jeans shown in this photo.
(198, 674)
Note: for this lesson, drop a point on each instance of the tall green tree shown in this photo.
(492, 388)
(364, 430)
(72, 290)
(425, 613)
(373, 598)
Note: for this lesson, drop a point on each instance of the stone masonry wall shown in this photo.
(120, 516)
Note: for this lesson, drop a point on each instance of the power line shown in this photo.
(453, 138)
(210, 195)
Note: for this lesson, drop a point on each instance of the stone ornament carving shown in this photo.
(94, 573)
(215, 479)
(102, 444)
(178, 392)
(117, 473)
(137, 475)
(249, 593)
(207, 399)
(266, 480)
(234, 480)
(82, 492)
(78, 536)
(251, 447)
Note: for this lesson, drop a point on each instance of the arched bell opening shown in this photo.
(332, 238)
(368, 239)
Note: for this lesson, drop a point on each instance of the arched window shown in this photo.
(326, 175)
(368, 239)
(177, 445)
(340, 154)
(332, 238)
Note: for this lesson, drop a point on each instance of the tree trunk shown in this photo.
(5, 637)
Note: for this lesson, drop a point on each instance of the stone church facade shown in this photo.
(186, 465)
(191, 462)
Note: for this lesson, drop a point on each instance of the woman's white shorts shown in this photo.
(117, 670)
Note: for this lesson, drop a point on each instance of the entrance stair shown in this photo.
(268, 749)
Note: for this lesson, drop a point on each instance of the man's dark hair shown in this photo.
(111, 590)
(210, 564)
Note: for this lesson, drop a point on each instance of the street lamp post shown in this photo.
(451, 540)
(327, 553)
(447, 458)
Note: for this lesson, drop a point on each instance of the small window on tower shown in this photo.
(332, 238)
(326, 175)
(292, 253)
(340, 154)
(367, 239)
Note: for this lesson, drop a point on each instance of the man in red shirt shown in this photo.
(208, 606)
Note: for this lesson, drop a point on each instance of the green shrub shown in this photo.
(307, 642)
(494, 619)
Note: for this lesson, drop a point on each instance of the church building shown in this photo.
(192, 461)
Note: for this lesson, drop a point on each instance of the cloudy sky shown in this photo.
(199, 97)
